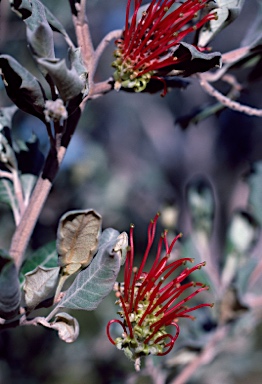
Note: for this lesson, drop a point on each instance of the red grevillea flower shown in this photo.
(148, 44)
(152, 301)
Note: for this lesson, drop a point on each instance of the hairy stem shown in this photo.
(18, 189)
(30, 216)
(28, 220)
(234, 105)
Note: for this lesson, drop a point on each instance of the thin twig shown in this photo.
(234, 105)
(6, 175)
(99, 89)
(116, 34)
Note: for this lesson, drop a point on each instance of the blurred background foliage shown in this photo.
(133, 155)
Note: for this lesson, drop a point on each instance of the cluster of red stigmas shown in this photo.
(145, 46)
(151, 301)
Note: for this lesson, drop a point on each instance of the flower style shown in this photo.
(149, 44)
(151, 301)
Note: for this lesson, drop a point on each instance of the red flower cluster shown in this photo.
(147, 41)
(151, 301)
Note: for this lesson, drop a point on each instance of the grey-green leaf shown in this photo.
(9, 287)
(39, 32)
(68, 82)
(227, 11)
(76, 61)
(39, 285)
(22, 87)
(24, 9)
(94, 283)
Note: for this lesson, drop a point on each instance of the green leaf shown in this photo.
(22, 87)
(227, 11)
(95, 282)
(45, 256)
(40, 284)
(9, 287)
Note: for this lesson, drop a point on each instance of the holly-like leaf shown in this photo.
(45, 256)
(22, 87)
(9, 287)
(39, 285)
(95, 282)
(226, 11)
(68, 82)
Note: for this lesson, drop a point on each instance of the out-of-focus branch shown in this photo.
(234, 105)
(207, 355)
(116, 34)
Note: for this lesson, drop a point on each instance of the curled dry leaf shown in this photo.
(77, 239)
(66, 325)
(39, 285)
(121, 246)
